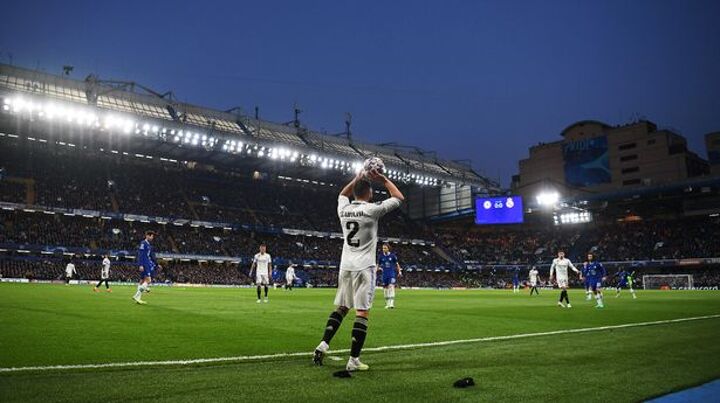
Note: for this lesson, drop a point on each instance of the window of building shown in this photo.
(630, 182)
(631, 157)
(630, 170)
(627, 146)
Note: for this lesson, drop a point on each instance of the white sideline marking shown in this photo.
(372, 349)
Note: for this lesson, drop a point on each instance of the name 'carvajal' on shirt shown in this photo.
(352, 214)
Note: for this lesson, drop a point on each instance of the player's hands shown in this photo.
(375, 176)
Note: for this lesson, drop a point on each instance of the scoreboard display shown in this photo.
(498, 210)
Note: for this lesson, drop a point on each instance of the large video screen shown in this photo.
(586, 162)
(498, 210)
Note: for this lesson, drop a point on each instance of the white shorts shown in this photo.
(533, 283)
(262, 279)
(289, 279)
(562, 282)
(356, 289)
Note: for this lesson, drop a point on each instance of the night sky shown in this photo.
(475, 79)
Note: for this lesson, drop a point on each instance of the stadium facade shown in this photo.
(593, 157)
(90, 165)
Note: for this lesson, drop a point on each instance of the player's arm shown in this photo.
(347, 190)
(389, 185)
(270, 266)
(399, 270)
(140, 256)
(552, 270)
(252, 268)
(572, 266)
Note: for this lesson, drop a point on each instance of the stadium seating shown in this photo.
(99, 236)
(114, 183)
(74, 179)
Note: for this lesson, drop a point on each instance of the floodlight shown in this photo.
(548, 198)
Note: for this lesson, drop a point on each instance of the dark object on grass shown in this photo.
(464, 383)
(342, 374)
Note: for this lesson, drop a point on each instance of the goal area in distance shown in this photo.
(667, 281)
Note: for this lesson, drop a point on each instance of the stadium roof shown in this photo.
(148, 112)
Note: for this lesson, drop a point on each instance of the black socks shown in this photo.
(358, 336)
(333, 324)
(564, 296)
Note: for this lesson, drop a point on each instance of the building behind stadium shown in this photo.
(594, 157)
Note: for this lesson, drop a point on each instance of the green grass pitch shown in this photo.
(42, 325)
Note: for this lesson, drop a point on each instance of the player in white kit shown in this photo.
(534, 277)
(560, 266)
(104, 275)
(69, 272)
(263, 263)
(290, 277)
(356, 280)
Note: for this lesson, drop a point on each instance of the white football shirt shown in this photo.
(262, 264)
(70, 269)
(359, 222)
(533, 275)
(561, 266)
(290, 273)
(105, 273)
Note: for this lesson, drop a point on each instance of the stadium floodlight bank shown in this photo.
(668, 282)
(119, 108)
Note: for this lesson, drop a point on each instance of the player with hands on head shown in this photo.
(356, 279)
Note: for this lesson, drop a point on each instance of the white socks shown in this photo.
(389, 296)
(141, 287)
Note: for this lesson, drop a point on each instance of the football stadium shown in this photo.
(160, 249)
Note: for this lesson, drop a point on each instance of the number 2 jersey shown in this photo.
(359, 222)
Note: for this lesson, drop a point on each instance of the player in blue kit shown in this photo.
(148, 264)
(624, 279)
(391, 270)
(621, 277)
(596, 274)
(516, 280)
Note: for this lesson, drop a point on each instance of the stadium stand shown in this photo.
(88, 166)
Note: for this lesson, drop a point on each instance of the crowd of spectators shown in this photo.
(80, 179)
(100, 235)
(642, 240)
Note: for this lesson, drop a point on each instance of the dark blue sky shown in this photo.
(474, 79)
